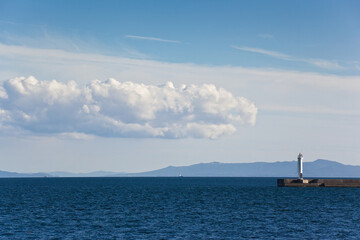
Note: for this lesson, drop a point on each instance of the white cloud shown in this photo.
(212, 131)
(152, 39)
(122, 109)
(76, 135)
(2, 93)
(326, 64)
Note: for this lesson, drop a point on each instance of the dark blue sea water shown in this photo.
(174, 208)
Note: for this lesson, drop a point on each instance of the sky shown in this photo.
(132, 86)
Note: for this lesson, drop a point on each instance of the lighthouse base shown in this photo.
(303, 180)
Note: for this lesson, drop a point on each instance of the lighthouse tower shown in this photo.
(300, 166)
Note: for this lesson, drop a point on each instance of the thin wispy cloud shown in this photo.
(331, 65)
(51, 61)
(266, 36)
(3, 22)
(265, 52)
(261, 84)
(309, 109)
(355, 64)
(152, 39)
(321, 63)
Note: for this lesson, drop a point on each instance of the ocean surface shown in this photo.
(174, 208)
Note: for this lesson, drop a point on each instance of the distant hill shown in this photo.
(4, 174)
(91, 174)
(326, 168)
(319, 168)
(216, 169)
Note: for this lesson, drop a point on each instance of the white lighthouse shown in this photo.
(300, 166)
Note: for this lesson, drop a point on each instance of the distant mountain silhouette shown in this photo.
(91, 174)
(319, 168)
(326, 168)
(4, 174)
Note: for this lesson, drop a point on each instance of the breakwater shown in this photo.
(318, 182)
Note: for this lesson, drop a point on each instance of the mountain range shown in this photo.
(316, 169)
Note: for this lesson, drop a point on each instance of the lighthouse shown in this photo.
(301, 182)
(300, 166)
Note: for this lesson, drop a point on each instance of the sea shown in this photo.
(174, 208)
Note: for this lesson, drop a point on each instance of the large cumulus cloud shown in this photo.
(121, 109)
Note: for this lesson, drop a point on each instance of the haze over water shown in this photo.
(174, 208)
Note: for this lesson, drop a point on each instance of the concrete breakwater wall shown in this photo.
(318, 182)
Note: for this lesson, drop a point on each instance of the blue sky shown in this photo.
(205, 30)
(297, 62)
